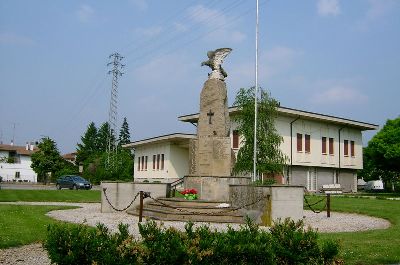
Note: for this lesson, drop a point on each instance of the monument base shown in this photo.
(212, 188)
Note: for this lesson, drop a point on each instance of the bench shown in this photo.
(332, 189)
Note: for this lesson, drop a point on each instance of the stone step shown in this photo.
(186, 208)
(195, 211)
(190, 203)
(184, 217)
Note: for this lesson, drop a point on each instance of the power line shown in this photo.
(175, 39)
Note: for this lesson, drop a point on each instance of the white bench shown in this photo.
(332, 189)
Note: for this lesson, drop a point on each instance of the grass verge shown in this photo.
(369, 247)
(24, 224)
(50, 195)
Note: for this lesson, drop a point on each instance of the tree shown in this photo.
(382, 155)
(124, 135)
(47, 159)
(103, 137)
(270, 159)
(88, 147)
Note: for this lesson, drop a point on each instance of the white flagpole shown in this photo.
(255, 101)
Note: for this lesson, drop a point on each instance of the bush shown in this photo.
(293, 244)
(287, 243)
(78, 244)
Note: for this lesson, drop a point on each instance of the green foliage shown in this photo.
(264, 182)
(330, 250)
(270, 158)
(382, 155)
(293, 244)
(124, 135)
(97, 164)
(288, 243)
(103, 138)
(47, 159)
(67, 245)
(88, 147)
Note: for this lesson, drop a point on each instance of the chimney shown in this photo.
(12, 142)
(27, 146)
(32, 145)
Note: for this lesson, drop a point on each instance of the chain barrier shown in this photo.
(204, 213)
(119, 210)
(315, 203)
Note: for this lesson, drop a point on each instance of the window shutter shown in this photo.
(235, 139)
(307, 143)
(299, 142)
(154, 162)
(352, 151)
(145, 164)
(323, 145)
(346, 147)
(158, 161)
(331, 150)
(138, 163)
(162, 161)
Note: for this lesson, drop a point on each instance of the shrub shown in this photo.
(286, 243)
(78, 244)
(294, 244)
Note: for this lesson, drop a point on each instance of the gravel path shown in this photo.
(89, 213)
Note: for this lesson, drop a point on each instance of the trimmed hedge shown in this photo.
(286, 243)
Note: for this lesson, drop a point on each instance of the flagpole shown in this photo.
(255, 101)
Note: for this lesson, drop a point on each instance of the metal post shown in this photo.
(328, 205)
(141, 207)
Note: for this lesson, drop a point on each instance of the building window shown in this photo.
(323, 145)
(142, 162)
(154, 162)
(162, 161)
(145, 163)
(17, 174)
(158, 161)
(307, 144)
(352, 151)
(346, 147)
(235, 139)
(299, 142)
(331, 150)
(138, 163)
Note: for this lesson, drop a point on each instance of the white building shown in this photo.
(321, 149)
(15, 163)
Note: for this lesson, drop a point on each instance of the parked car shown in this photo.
(374, 185)
(73, 183)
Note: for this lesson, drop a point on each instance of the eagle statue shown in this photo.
(215, 59)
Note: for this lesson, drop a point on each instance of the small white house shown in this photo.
(15, 163)
(321, 149)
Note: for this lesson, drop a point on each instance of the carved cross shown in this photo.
(210, 114)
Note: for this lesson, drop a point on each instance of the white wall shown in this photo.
(149, 150)
(179, 162)
(7, 170)
(317, 130)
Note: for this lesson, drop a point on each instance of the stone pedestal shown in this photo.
(213, 188)
(210, 153)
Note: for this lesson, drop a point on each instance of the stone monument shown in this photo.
(210, 154)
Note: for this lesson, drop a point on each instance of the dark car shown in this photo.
(73, 183)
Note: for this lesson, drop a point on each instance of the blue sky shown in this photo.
(328, 56)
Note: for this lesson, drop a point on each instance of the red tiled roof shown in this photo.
(21, 150)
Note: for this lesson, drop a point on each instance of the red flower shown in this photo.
(189, 191)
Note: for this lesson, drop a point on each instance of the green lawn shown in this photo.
(50, 195)
(371, 247)
(23, 224)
